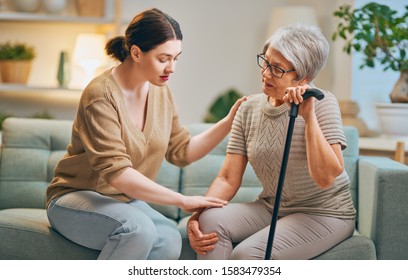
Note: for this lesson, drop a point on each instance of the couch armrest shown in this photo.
(382, 205)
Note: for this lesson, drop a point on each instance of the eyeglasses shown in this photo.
(275, 70)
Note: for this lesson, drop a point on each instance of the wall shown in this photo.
(221, 40)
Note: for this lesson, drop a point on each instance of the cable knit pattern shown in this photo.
(259, 132)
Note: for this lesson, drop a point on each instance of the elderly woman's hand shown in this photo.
(294, 95)
(201, 243)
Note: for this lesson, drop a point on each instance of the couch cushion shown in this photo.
(197, 128)
(30, 150)
(198, 176)
(383, 215)
(26, 234)
(357, 247)
(350, 155)
(168, 176)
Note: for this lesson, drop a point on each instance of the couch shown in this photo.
(30, 149)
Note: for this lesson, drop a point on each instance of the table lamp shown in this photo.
(89, 54)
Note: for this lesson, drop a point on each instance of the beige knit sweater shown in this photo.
(259, 132)
(104, 141)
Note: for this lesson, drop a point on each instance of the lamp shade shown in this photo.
(89, 48)
(89, 54)
(285, 15)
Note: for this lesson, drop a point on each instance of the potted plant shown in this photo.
(15, 62)
(381, 36)
(222, 105)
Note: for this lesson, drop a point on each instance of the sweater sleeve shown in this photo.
(100, 133)
(237, 143)
(329, 118)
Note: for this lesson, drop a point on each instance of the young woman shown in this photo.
(316, 209)
(125, 126)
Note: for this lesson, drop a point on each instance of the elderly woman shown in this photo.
(316, 210)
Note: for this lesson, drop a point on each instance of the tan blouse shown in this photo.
(104, 141)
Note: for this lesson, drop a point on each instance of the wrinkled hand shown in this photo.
(196, 203)
(294, 95)
(199, 242)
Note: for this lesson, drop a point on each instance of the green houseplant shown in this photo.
(381, 35)
(222, 105)
(15, 62)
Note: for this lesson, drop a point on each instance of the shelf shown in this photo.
(49, 34)
(69, 15)
(30, 88)
(27, 92)
(39, 17)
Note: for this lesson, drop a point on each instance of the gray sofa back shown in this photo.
(350, 155)
(30, 150)
(195, 178)
(28, 158)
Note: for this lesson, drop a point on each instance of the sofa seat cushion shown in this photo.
(357, 247)
(26, 234)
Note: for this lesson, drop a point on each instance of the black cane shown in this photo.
(293, 113)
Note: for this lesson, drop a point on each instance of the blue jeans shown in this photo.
(121, 231)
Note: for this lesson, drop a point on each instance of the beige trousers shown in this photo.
(297, 236)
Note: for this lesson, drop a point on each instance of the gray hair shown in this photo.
(302, 45)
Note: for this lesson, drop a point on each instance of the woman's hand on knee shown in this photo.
(197, 203)
(201, 243)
